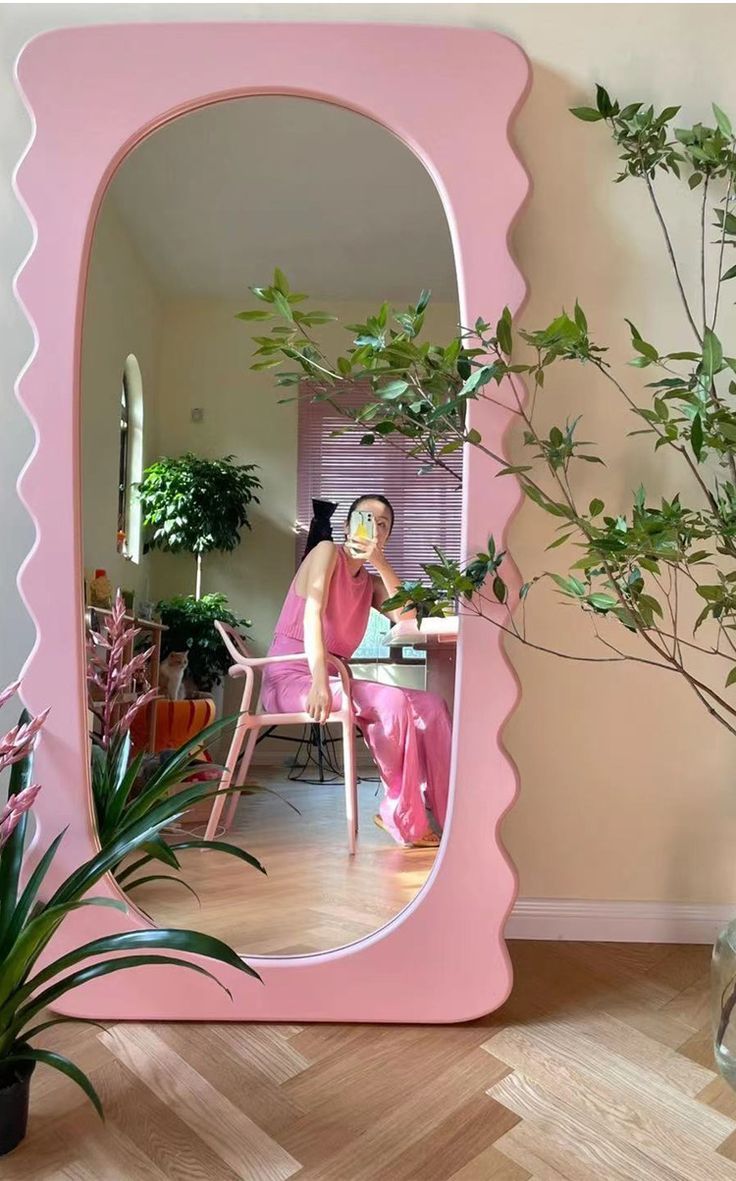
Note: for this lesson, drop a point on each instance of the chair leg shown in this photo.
(218, 802)
(351, 783)
(240, 778)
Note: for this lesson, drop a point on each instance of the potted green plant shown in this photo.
(28, 922)
(197, 506)
(630, 572)
(190, 624)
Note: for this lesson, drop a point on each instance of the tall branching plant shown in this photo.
(631, 569)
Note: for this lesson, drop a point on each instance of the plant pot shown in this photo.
(15, 1085)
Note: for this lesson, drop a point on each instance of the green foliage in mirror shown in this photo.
(196, 506)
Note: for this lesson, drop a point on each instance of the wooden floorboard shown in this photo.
(598, 1068)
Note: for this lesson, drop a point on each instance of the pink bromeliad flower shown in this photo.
(14, 809)
(15, 745)
(112, 680)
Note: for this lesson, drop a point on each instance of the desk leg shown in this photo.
(441, 672)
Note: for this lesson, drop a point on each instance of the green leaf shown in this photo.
(729, 274)
(549, 506)
(602, 602)
(283, 305)
(647, 350)
(499, 589)
(571, 586)
(723, 122)
(696, 436)
(257, 314)
(58, 1062)
(280, 282)
(503, 332)
(695, 180)
(514, 470)
(595, 507)
(473, 436)
(28, 897)
(603, 102)
(587, 114)
(712, 354)
(559, 541)
(394, 389)
(731, 678)
(221, 847)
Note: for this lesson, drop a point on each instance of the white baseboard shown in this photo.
(625, 922)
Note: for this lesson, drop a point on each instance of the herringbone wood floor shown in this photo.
(598, 1068)
(314, 896)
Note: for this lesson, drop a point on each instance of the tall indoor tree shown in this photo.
(631, 569)
(197, 506)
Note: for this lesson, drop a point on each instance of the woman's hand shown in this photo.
(367, 551)
(319, 699)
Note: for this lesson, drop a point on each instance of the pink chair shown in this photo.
(250, 724)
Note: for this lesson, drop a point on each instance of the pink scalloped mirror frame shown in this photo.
(450, 95)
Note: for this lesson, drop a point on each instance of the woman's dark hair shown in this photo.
(372, 496)
(320, 528)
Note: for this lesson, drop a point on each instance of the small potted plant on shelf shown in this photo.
(29, 919)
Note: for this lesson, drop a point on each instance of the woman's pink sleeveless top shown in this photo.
(345, 616)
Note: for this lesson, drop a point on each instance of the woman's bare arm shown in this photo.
(313, 583)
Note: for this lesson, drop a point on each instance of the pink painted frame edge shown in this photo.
(443, 958)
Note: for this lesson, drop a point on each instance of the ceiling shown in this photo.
(217, 198)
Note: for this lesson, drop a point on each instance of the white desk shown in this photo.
(439, 638)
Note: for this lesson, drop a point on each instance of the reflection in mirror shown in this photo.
(202, 490)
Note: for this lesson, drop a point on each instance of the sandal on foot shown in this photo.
(430, 841)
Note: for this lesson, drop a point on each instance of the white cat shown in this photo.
(171, 675)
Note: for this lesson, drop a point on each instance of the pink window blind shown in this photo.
(336, 467)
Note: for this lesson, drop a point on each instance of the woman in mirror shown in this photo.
(408, 731)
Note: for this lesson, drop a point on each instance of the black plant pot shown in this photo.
(15, 1085)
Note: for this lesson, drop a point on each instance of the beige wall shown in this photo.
(628, 788)
(122, 316)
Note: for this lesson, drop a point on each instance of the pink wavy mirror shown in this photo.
(101, 98)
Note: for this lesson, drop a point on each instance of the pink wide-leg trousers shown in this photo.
(408, 732)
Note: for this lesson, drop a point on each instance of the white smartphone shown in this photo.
(362, 527)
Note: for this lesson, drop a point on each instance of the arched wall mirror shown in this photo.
(251, 147)
(197, 214)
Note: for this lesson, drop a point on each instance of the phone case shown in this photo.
(363, 525)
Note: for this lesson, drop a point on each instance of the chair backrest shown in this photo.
(233, 641)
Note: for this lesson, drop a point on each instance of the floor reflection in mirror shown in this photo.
(318, 900)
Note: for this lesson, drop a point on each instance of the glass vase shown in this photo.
(723, 1002)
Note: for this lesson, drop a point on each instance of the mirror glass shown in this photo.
(199, 482)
